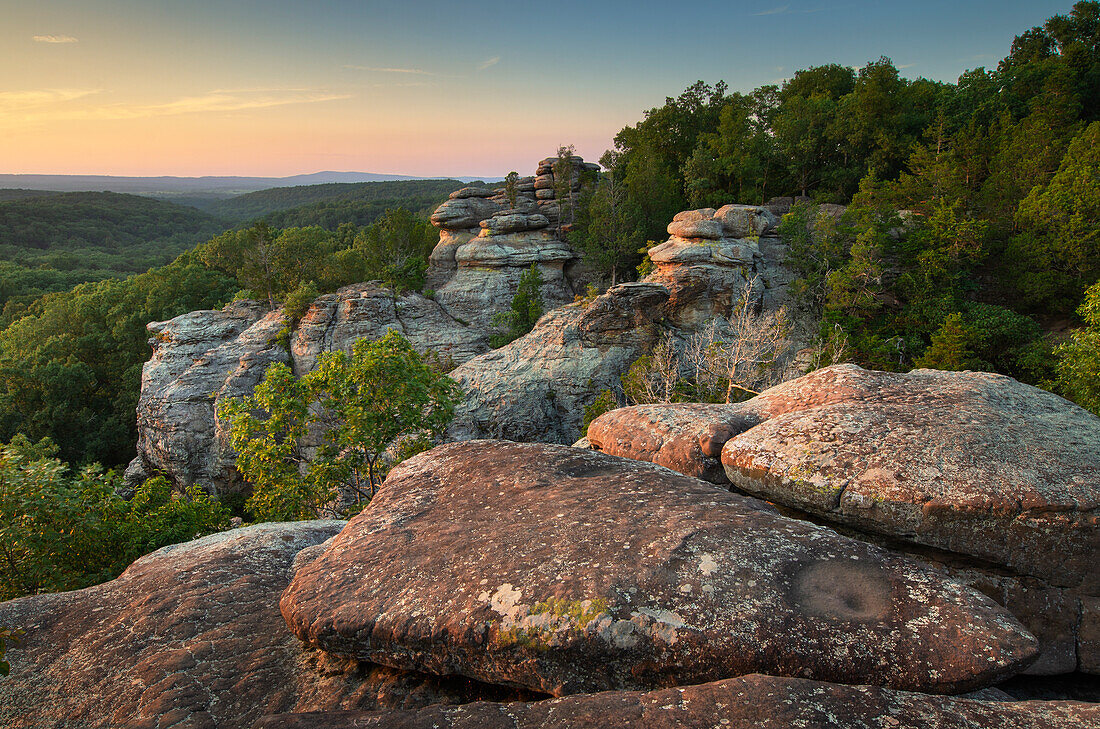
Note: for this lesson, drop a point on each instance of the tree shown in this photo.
(610, 229)
(1079, 358)
(511, 188)
(1057, 254)
(524, 312)
(303, 443)
(61, 530)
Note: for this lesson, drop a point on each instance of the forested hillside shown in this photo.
(330, 205)
(973, 220)
(52, 241)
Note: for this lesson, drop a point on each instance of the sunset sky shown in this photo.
(272, 87)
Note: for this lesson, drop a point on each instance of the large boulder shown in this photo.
(536, 388)
(190, 637)
(971, 462)
(965, 437)
(748, 702)
(528, 565)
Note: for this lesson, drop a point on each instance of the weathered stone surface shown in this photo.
(710, 229)
(746, 221)
(692, 215)
(748, 702)
(972, 462)
(334, 322)
(199, 359)
(536, 388)
(188, 636)
(203, 358)
(466, 212)
(526, 565)
(513, 222)
(686, 437)
(689, 437)
(474, 191)
(441, 262)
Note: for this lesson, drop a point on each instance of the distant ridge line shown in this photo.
(207, 183)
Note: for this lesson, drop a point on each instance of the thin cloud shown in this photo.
(377, 69)
(53, 39)
(29, 106)
(487, 63)
(774, 11)
(904, 66)
(16, 100)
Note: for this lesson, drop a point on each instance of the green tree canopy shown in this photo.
(382, 403)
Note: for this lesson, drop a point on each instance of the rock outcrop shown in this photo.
(190, 636)
(536, 387)
(988, 470)
(198, 360)
(748, 702)
(487, 242)
(527, 565)
(203, 358)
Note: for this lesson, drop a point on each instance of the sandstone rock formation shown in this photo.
(486, 244)
(205, 357)
(190, 636)
(987, 469)
(202, 358)
(199, 359)
(536, 387)
(526, 565)
(748, 702)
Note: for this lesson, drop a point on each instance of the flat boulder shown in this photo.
(970, 462)
(569, 571)
(686, 437)
(748, 702)
(190, 637)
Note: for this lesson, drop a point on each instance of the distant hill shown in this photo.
(210, 186)
(53, 241)
(17, 194)
(332, 204)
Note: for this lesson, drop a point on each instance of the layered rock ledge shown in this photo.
(527, 565)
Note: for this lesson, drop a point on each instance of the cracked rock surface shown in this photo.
(567, 571)
(1001, 474)
(748, 702)
(190, 637)
(973, 462)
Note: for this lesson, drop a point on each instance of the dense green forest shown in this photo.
(328, 206)
(973, 223)
(50, 242)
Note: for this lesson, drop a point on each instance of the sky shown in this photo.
(429, 88)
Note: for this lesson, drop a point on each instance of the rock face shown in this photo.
(991, 471)
(205, 357)
(526, 565)
(199, 359)
(486, 243)
(538, 385)
(748, 702)
(190, 636)
(536, 389)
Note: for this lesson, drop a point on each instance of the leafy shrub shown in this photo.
(384, 395)
(61, 530)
